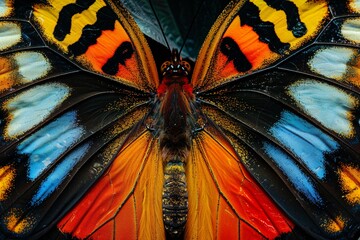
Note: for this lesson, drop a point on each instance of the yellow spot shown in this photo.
(354, 5)
(6, 8)
(6, 74)
(80, 20)
(335, 225)
(16, 223)
(311, 13)
(178, 168)
(47, 17)
(7, 176)
(350, 183)
(10, 35)
(350, 30)
(353, 70)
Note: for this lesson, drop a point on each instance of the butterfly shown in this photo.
(260, 140)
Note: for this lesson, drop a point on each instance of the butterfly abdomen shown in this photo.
(175, 198)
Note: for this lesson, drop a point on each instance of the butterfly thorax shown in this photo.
(176, 115)
(175, 125)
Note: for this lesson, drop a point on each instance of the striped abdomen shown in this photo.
(175, 198)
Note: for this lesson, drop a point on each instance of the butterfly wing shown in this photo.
(280, 81)
(271, 130)
(100, 37)
(123, 203)
(226, 202)
(75, 82)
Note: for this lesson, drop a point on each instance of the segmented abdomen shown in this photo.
(175, 198)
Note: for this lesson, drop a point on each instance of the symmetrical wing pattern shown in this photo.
(276, 112)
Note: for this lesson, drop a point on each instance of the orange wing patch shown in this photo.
(101, 37)
(350, 180)
(124, 199)
(353, 75)
(98, 55)
(252, 35)
(335, 225)
(15, 221)
(6, 75)
(203, 197)
(241, 206)
(228, 223)
(7, 177)
(255, 50)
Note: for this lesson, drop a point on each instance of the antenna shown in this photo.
(191, 25)
(158, 20)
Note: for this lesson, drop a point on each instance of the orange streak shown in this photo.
(228, 223)
(17, 222)
(7, 177)
(148, 198)
(6, 76)
(350, 183)
(245, 196)
(353, 75)
(105, 232)
(109, 194)
(126, 221)
(202, 196)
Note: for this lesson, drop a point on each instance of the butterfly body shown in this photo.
(260, 142)
(175, 124)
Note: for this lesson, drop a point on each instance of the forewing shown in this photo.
(99, 36)
(252, 35)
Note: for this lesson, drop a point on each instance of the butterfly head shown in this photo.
(175, 72)
(176, 66)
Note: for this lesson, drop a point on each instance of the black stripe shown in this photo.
(230, 49)
(105, 21)
(63, 24)
(294, 23)
(123, 52)
(23, 10)
(339, 8)
(250, 15)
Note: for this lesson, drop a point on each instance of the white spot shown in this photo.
(10, 35)
(31, 107)
(305, 140)
(351, 30)
(32, 65)
(355, 5)
(58, 175)
(331, 62)
(295, 174)
(329, 105)
(5, 8)
(42, 146)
